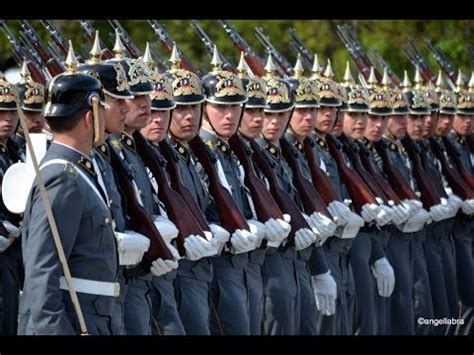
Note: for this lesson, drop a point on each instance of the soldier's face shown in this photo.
(115, 114)
(325, 119)
(274, 125)
(397, 125)
(185, 122)
(429, 124)
(157, 126)
(252, 122)
(445, 123)
(8, 123)
(355, 124)
(462, 124)
(415, 126)
(140, 111)
(224, 118)
(302, 121)
(376, 125)
(34, 121)
(338, 126)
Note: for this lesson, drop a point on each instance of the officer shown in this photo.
(80, 210)
(31, 99)
(11, 268)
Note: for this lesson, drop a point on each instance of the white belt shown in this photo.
(92, 287)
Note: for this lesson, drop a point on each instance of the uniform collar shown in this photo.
(321, 142)
(104, 150)
(367, 143)
(457, 137)
(74, 156)
(128, 141)
(181, 149)
(214, 142)
(274, 150)
(290, 137)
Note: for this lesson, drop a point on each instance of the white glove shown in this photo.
(160, 267)
(385, 277)
(277, 231)
(384, 216)
(340, 212)
(243, 241)
(325, 292)
(220, 237)
(399, 215)
(468, 207)
(197, 247)
(370, 211)
(13, 231)
(5, 243)
(166, 228)
(304, 237)
(415, 223)
(259, 229)
(439, 212)
(455, 201)
(352, 227)
(323, 224)
(412, 206)
(131, 246)
(320, 237)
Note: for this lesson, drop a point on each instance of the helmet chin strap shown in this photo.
(97, 136)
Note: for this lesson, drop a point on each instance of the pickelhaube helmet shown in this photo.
(447, 99)
(305, 90)
(327, 88)
(138, 74)
(398, 99)
(466, 99)
(221, 86)
(280, 96)
(31, 94)
(185, 85)
(7, 95)
(71, 91)
(255, 87)
(356, 100)
(378, 98)
(417, 103)
(431, 96)
(111, 74)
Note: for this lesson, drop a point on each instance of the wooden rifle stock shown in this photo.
(282, 198)
(455, 157)
(321, 181)
(139, 218)
(178, 186)
(424, 180)
(229, 214)
(176, 208)
(312, 200)
(265, 205)
(36, 73)
(455, 180)
(395, 178)
(358, 190)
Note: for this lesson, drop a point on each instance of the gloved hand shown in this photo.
(325, 292)
(412, 206)
(160, 267)
(320, 237)
(369, 212)
(304, 237)
(197, 247)
(13, 231)
(323, 224)
(5, 243)
(277, 231)
(384, 216)
(220, 237)
(468, 207)
(259, 229)
(166, 228)
(352, 227)
(415, 223)
(131, 246)
(385, 277)
(455, 201)
(439, 212)
(243, 241)
(399, 215)
(340, 212)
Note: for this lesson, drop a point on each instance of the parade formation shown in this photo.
(142, 196)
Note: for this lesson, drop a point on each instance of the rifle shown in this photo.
(358, 190)
(395, 178)
(178, 186)
(251, 58)
(424, 180)
(307, 66)
(229, 214)
(20, 54)
(455, 156)
(32, 39)
(126, 39)
(456, 182)
(176, 208)
(444, 63)
(394, 77)
(168, 43)
(418, 61)
(209, 44)
(265, 41)
(58, 38)
(139, 218)
(265, 205)
(321, 181)
(301, 47)
(89, 33)
(312, 200)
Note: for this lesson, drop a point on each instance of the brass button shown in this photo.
(111, 201)
(327, 173)
(107, 220)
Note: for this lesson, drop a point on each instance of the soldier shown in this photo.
(80, 210)
(31, 98)
(11, 269)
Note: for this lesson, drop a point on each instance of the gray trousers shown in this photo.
(254, 279)
(11, 279)
(137, 307)
(307, 325)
